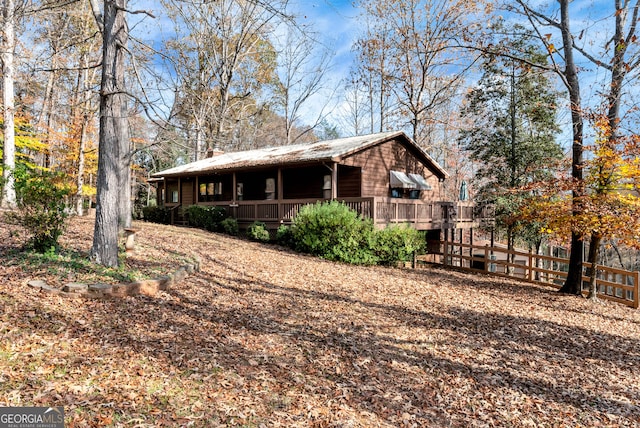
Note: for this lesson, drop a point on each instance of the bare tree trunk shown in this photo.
(46, 122)
(80, 177)
(592, 273)
(8, 199)
(114, 135)
(83, 109)
(124, 177)
(573, 283)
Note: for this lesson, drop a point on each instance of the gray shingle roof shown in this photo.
(329, 150)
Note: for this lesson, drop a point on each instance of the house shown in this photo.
(384, 176)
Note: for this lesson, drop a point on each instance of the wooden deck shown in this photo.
(383, 211)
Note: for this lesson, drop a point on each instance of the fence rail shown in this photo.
(613, 284)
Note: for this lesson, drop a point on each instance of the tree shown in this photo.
(70, 39)
(513, 131)
(7, 48)
(567, 70)
(610, 205)
(612, 167)
(354, 117)
(618, 56)
(412, 51)
(301, 71)
(222, 58)
(113, 151)
(372, 68)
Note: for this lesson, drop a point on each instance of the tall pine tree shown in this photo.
(512, 112)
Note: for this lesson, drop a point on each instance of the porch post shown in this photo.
(162, 191)
(334, 181)
(234, 192)
(280, 192)
(197, 190)
(234, 185)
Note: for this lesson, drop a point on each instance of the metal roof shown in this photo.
(329, 150)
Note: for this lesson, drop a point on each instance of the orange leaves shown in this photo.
(610, 201)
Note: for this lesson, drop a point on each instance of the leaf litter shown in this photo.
(264, 337)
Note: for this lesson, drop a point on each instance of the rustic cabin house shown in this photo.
(383, 176)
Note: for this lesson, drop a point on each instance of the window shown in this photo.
(326, 187)
(399, 182)
(240, 191)
(270, 189)
(210, 191)
(175, 196)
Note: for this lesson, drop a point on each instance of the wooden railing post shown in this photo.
(446, 253)
(486, 258)
(636, 288)
(530, 262)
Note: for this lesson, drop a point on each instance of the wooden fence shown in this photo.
(613, 284)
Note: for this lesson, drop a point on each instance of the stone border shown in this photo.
(147, 287)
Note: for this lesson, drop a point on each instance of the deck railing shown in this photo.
(382, 210)
(613, 284)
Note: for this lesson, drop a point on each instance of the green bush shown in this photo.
(284, 236)
(205, 217)
(40, 207)
(397, 244)
(156, 214)
(229, 226)
(257, 231)
(335, 232)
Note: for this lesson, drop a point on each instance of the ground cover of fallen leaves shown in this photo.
(263, 337)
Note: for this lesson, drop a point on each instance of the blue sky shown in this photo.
(336, 22)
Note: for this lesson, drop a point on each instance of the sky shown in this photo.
(336, 22)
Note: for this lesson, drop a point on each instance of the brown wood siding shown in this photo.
(302, 183)
(349, 182)
(379, 160)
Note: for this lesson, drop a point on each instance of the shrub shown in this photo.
(156, 214)
(229, 226)
(257, 231)
(205, 217)
(284, 236)
(397, 244)
(335, 232)
(40, 208)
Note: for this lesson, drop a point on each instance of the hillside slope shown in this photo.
(265, 337)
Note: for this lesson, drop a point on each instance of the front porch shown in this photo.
(382, 210)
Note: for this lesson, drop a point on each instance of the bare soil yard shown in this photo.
(262, 337)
